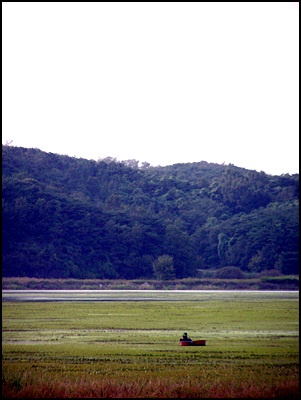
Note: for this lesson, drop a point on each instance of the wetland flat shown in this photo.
(118, 341)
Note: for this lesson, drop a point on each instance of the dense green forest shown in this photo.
(65, 217)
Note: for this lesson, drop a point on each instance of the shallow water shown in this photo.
(145, 295)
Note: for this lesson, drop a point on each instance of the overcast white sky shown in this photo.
(159, 82)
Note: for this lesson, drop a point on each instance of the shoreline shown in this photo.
(290, 283)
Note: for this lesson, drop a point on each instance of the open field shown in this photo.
(127, 348)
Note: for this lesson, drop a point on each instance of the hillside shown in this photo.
(64, 217)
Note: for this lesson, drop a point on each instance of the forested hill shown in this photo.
(64, 217)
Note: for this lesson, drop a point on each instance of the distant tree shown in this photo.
(178, 244)
(163, 267)
(108, 160)
(257, 262)
(222, 248)
(145, 165)
(131, 163)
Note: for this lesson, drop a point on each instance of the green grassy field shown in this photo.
(131, 348)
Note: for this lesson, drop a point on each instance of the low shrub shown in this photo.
(270, 272)
(229, 273)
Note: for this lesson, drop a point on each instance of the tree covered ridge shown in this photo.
(64, 217)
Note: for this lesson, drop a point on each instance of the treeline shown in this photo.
(64, 217)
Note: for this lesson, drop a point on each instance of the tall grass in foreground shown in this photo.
(225, 385)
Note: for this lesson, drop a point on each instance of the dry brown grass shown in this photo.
(91, 387)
